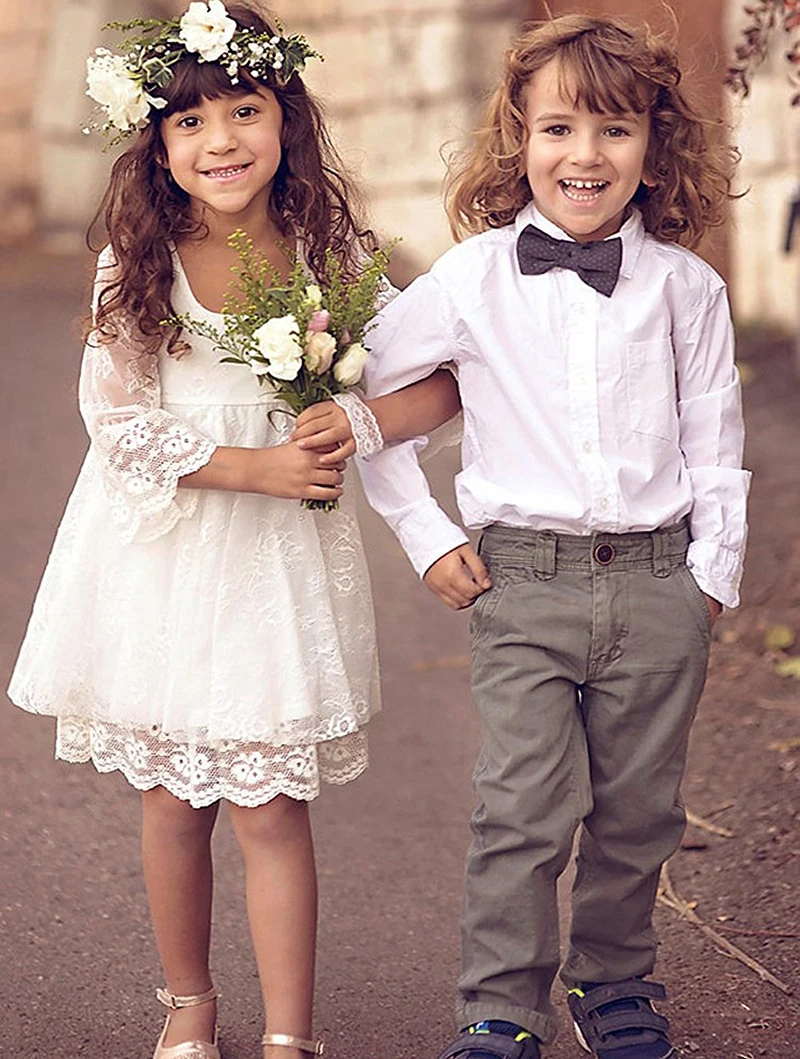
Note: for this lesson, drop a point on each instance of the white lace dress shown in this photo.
(219, 644)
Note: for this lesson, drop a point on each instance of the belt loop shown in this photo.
(544, 556)
(661, 564)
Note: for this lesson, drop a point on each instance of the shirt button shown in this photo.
(587, 446)
(604, 503)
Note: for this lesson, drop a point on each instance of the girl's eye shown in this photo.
(188, 121)
(557, 130)
(246, 111)
(617, 132)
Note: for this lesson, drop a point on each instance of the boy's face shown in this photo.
(583, 168)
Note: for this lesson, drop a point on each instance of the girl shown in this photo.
(602, 460)
(196, 628)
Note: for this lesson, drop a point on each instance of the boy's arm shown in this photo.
(440, 552)
(406, 413)
(712, 440)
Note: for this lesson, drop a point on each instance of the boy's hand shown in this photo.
(458, 578)
(325, 428)
(714, 609)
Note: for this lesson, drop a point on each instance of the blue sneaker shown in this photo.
(618, 1020)
(493, 1039)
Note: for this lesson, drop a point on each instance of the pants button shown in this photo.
(604, 554)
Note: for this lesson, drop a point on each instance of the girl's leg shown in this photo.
(176, 856)
(276, 843)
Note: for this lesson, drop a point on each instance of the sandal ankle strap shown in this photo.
(285, 1039)
(169, 1000)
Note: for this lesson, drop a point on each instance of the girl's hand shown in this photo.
(325, 428)
(714, 609)
(289, 472)
(458, 578)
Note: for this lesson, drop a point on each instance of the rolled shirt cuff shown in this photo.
(426, 534)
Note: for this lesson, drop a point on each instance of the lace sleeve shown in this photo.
(141, 449)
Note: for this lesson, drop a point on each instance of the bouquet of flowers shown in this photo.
(304, 342)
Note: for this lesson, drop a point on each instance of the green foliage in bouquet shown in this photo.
(303, 341)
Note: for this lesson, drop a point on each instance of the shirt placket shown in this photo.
(582, 350)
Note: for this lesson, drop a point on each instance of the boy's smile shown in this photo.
(583, 168)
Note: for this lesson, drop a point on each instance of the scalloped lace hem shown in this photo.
(247, 774)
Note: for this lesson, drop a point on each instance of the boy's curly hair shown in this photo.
(143, 209)
(609, 68)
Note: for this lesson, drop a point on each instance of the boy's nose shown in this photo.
(586, 150)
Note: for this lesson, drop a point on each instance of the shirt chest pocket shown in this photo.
(652, 397)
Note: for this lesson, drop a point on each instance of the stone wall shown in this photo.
(23, 27)
(765, 280)
(400, 78)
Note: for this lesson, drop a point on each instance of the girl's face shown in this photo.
(583, 168)
(225, 152)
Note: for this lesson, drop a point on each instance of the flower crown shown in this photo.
(124, 85)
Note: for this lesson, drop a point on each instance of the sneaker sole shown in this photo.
(582, 1042)
(581, 1038)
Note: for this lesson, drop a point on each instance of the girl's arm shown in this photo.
(283, 470)
(143, 453)
(405, 413)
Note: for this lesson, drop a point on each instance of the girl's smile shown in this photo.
(583, 168)
(227, 173)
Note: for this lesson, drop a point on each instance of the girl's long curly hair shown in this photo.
(143, 209)
(609, 68)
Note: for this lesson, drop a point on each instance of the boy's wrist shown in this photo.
(364, 424)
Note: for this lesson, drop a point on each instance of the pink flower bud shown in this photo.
(319, 320)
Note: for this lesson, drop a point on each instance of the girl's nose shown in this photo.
(220, 138)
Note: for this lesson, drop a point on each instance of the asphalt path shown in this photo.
(78, 965)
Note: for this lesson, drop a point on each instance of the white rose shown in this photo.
(313, 296)
(278, 342)
(122, 98)
(207, 29)
(320, 347)
(350, 367)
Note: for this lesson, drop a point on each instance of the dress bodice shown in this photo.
(199, 377)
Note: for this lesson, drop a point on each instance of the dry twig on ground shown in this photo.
(669, 896)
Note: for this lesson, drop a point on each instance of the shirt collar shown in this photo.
(632, 233)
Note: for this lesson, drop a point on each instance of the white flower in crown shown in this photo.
(121, 97)
(350, 367)
(207, 29)
(279, 344)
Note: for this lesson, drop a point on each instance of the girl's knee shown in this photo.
(167, 814)
(280, 820)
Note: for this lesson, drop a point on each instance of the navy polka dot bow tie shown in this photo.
(597, 264)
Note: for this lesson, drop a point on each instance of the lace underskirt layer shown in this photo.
(247, 774)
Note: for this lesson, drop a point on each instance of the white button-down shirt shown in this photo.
(582, 413)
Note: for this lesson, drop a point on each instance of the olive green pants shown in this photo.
(589, 657)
